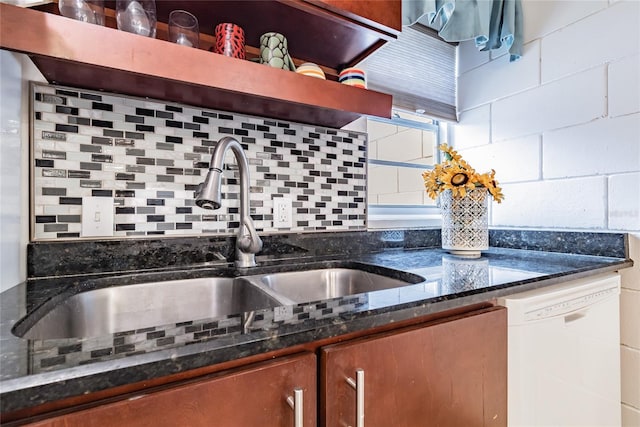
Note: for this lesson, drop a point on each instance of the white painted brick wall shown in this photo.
(398, 185)
(631, 276)
(410, 180)
(624, 202)
(514, 160)
(609, 35)
(372, 149)
(494, 80)
(469, 57)
(630, 361)
(630, 325)
(630, 416)
(630, 355)
(408, 198)
(545, 17)
(576, 99)
(382, 179)
(568, 203)
(603, 146)
(380, 129)
(474, 127)
(624, 82)
(429, 147)
(401, 147)
(585, 112)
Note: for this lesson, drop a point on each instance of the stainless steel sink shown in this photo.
(124, 308)
(321, 284)
(133, 307)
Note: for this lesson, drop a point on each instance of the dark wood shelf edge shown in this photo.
(390, 13)
(132, 65)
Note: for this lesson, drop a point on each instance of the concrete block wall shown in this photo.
(391, 185)
(630, 338)
(561, 127)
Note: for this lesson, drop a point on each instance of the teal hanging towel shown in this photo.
(491, 23)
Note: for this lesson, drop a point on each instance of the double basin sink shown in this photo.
(132, 307)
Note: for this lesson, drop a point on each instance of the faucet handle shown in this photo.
(247, 245)
(249, 242)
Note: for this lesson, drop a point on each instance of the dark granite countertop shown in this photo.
(34, 372)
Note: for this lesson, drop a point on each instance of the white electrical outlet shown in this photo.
(97, 216)
(282, 212)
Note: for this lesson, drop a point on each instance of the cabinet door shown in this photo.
(452, 373)
(250, 397)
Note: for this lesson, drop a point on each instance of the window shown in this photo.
(399, 150)
(419, 70)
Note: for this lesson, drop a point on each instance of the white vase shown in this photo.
(465, 222)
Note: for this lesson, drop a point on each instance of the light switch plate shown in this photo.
(97, 216)
(282, 212)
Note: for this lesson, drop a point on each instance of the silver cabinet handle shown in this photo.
(295, 402)
(358, 386)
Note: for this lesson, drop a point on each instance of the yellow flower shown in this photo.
(463, 164)
(460, 178)
(496, 192)
(457, 180)
(488, 180)
(450, 154)
(457, 175)
(485, 180)
(431, 183)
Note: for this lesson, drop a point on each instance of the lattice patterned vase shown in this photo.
(465, 223)
(464, 274)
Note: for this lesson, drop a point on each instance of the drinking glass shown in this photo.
(183, 28)
(137, 16)
(91, 11)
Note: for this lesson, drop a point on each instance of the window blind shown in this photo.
(418, 70)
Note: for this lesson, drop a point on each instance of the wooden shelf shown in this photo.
(315, 31)
(77, 54)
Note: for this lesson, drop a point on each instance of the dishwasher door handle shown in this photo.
(574, 317)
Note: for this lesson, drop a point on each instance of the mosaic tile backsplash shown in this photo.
(147, 157)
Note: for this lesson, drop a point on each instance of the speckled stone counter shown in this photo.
(38, 371)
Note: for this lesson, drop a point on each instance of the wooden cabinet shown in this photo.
(452, 373)
(446, 372)
(78, 54)
(250, 397)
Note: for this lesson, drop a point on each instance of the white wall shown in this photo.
(11, 194)
(561, 127)
(10, 154)
(16, 71)
(391, 185)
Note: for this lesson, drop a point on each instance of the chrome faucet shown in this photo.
(208, 196)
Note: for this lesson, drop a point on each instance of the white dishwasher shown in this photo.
(564, 354)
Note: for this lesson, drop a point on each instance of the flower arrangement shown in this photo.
(457, 175)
